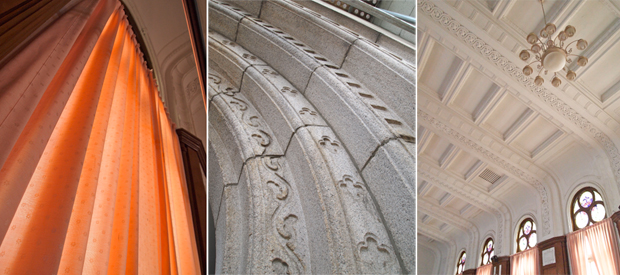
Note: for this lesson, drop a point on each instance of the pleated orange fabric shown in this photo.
(91, 177)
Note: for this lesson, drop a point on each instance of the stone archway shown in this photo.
(311, 169)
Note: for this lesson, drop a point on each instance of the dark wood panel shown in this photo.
(20, 19)
(558, 244)
(194, 163)
(502, 264)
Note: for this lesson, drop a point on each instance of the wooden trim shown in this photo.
(195, 143)
(22, 20)
(189, 142)
(192, 17)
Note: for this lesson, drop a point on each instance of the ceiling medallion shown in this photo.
(551, 53)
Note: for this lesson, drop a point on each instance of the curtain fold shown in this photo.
(486, 269)
(594, 249)
(90, 177)
(525, 262)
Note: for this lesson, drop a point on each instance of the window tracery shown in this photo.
(488, 251)
(587, 208)
(526, 236)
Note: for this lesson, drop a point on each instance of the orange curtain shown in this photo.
(91, 176)
(594, 249)
(525, 263)
(485, 270)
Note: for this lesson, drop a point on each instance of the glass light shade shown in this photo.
(554, 59)
(556, 82)
(550, 28)
(532, 38)
(544, 33)
(536, 48)
(527, 70)
(571, 75)
(562, 36)
(524, 55)
(550, 43)
(570, 30)
(539, 81)
(582, 44)
(582, 61)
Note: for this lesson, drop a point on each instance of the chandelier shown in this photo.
(552, 53)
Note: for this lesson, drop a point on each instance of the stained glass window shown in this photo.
(587, 208)
(526, 236)
(460, 265)
(488, 251)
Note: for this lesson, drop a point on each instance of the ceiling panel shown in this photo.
(535, 134)
(591, 20)
(507, 111)
(475, 87)
(462, 163)
(439, 68)
(435, 194)
(436, 147)
(607, 65)
(527, 16)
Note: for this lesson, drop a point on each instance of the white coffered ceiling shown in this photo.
(494, 147)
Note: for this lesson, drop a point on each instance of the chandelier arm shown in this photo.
(542, 45)
(570, 44)
(533, 63)
(541, 68)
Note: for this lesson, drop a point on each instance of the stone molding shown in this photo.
(320, 139)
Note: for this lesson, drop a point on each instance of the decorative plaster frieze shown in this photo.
(513, 70)
(546, 216)
(446, 216)
(493, 207)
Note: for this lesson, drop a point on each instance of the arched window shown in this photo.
(526, 236)
(488, 251)
(587, 208)
(460, 265)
